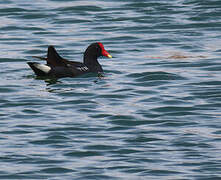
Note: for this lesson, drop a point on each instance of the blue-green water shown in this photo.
(155, 115)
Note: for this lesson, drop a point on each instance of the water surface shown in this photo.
(155, 114)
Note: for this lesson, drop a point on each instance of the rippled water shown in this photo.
(155, 114)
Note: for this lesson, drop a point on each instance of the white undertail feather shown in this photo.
(43, 67)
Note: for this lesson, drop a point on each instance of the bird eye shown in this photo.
(97, 49)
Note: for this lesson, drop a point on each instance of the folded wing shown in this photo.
(54, 59)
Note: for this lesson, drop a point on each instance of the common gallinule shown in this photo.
(58, 67)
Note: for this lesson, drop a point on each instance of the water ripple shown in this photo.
(154, 115)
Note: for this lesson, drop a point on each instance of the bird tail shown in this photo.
(39, 69)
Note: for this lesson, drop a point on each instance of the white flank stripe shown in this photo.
(82, 68)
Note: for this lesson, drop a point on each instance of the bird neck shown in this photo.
(92, 63)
